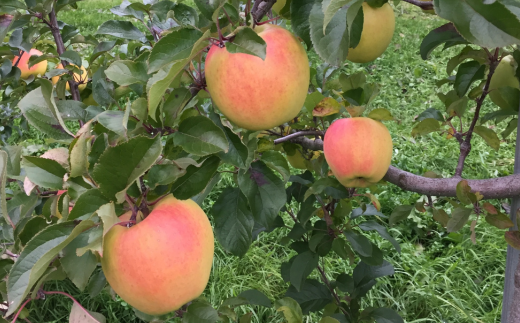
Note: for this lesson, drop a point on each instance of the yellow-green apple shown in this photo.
(80, 79)
(378, 29)
(258, 94)
(278, 5)
(358, 151)
(504, 76)
(23, 64)
(90, 100)
(162, 262)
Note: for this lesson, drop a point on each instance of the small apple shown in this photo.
(258, 94)
(23, 64)
(358, 151)
(81, 79)
(162, 262)
(378, 30)
(504, 76)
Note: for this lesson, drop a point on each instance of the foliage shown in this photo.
(153, 131)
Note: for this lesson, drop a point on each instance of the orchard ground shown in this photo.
(439, 277)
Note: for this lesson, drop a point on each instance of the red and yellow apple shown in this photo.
(358, 151)
(258, 94)
(23, 64)
(80, 79)
(378, 30)
(504, 76)
(162, 262)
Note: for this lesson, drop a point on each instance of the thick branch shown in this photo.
(261, 8)
(514, 315)
(60, 47)
(425, 5)
(493, 188)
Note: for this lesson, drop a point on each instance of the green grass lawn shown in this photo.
(439, 278)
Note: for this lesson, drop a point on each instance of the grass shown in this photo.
(439, 278)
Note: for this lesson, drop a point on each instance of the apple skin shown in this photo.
(278, 5)
(378, 30)
(258, 94)
(23, 65)
(78, 78)
(164, 261)
(504, 76)
(358, 151)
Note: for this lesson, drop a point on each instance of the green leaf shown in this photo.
(36, 256)
(383, 315)
(200, 312)
(513, 238)
(195, 179)
(430, 113)
(44, 172)
(364, 247)
(79, 269)
(332, 46)
(328, 319)
(291, 310)
(364, 273)
(441, 216)
(200, 136)
(157, 86)
(164, 174)
(40, 115)
(233, 221)
(300, 12)
(313, 297)
(459, 218)
(302, 267)
(467, 74)
(79, 155)
(255, 297)
(174, 46)
(329, 186)
(88, 203)
(487, 24)
(489, 136)
(374, 226)
(500, 221)
(114, 176)
(445, 34)
(96, 283)
(278, 162)
(265, 192)
(3, 180)
(78, 315)
(121, 29)
(426, 126)
(126, 73)
(381, 114)
(247, 41)
(464, 193)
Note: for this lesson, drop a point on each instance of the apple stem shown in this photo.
(267, 21)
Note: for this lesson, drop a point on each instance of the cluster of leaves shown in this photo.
(169, 139)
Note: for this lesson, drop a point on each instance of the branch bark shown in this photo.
(425, 5)
(261, 8)
(493, 188)
(60, 48)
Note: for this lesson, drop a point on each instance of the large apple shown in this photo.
(162, 262)
(23, 64)
(378, 29)
(504, 76)
(358, 151)
(258, 94)
(81, 79)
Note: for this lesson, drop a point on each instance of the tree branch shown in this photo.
(465, 146)
(60, 47)
(493, 188)
(261, 8)
(299, 134)
(425, 5)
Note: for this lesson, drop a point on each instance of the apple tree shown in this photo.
(173, 96)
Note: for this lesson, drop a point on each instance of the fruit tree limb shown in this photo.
(298, 134)
(261, 8)
(425, 5)
(60, 48)
(492, 188)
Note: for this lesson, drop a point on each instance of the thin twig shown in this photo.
(299, 134)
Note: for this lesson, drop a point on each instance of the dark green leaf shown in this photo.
(121, 29)
(426, 126)
(195, 179)
(467, 74)
(373, 225)
(200, 136)
(302, 267)
(255, 297)
(313, 296)
(444, 34)
(459, 218)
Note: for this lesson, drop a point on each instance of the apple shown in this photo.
(90, 100)
(358, 151)
(162, 262)
(23, 64)
(258, 94)
(378, 30)
(81, 79)
(278, 5)
(504, 76)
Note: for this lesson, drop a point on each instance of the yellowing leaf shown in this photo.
(380, 114)
(355, 111)
(326, 107)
